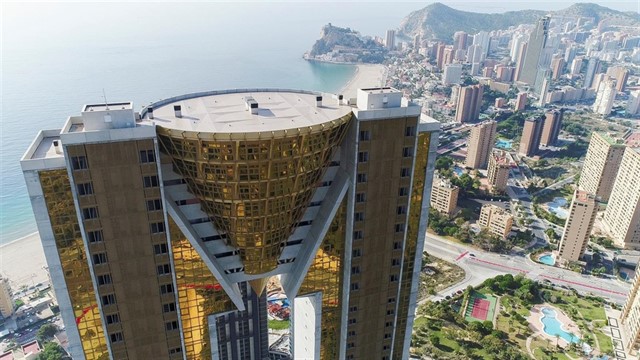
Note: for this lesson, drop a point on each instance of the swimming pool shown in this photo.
(504, 144)
(553, 327)
(458, 170)
(547, 259)
(557, 207)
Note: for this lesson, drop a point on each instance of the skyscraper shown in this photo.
(460, 40)
(593, 68)
(161, 228)
(633, 104)
(621, 75)
(605, 96)
(482, 137)
(390, 39)
(469, 103)
(578, 226)
(452, 74)
(557, 67)
(601, 165)
(521, 101)
(532, 56)
(551, 128)
(498, 171)
(530, 139)
(622, 216)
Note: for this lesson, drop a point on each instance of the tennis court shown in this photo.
(480, 307)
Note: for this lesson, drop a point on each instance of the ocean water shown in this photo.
(57, 57)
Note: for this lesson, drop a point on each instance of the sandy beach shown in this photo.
(367, 75)
(22, 261)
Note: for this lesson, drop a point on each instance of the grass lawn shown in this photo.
(278, 325)
(606, 345)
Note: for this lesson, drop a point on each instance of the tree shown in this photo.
(435, 339)
(53, 351)
(46, 332)
(444, 162)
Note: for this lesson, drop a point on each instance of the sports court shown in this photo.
(480, 307)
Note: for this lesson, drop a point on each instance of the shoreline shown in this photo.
(365, 76)
(22, 261)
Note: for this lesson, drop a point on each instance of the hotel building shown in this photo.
(497, 220)
(444, 196)
(498, 171)
(482, 137)
(577, 228)
(601, 165)
(162, 227)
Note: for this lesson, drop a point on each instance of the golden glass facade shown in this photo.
(199, 295)
(325, 275)
(64, 223)
(411, 242)
(254, 186)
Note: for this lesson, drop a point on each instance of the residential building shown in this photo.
(604, 97)
(601, 165)
(633, 104)
(620, 74)
(593, 67)
(390, 40)
(469, 103)
(499, 103)
(161, 228)
(534, 50)
(498, 171)
(444, 196)
(557, 67)
(6, 300)
(530, 139)
(521, 101)
(482, 137)
(452, 74)
(497, 220)
(551, 128)
(622, 216)
(578, 226)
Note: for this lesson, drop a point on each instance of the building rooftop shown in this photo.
(380, 90)
(610, 139)
(584, 196)
(633, 140)
(245, 110)
(31, 348)
(7, 356)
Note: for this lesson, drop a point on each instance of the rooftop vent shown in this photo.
(150, 112)
(318, 101)
(251, 105)
(178, 110)
(57, 147)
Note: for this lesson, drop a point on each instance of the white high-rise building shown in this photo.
(633, 105)
(622, 217)
(452, 74)
(483, 40)
(533, 55)
(604, 97)
(390, 39)
(517, 40)
(576, 65)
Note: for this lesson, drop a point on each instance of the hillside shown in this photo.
(338, 44)
(438, 21)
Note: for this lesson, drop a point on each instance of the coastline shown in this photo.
(366, 75)
(22, 261)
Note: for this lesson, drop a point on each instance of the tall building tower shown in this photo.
(576, 66)
(498, 171)
(551, 128)
(440, 55)
(593, 68)
(621, 75)
(6, 300)
(530, 139)
(605, 96)
(161, 228)
(630, 317)
(469, 103)
(544, 90)
(390, 39)
(516, 43)
(570, 54)
(633, 104)
(532, 56)
(521, 101)
(452, 74)
(482, 137)
(460, 40)
(601, 165)
(522, 50)
(622, 216)
(557, 67)
(577, 228)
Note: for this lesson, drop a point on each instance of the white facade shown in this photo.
(604, 97)
(633, 105)
(452, 74)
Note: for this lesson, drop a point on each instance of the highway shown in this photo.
(480, 265)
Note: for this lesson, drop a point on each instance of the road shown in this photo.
(480, 265)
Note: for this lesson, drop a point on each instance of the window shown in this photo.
(399, 228)
(147, 156)
(390, 312)
(407, 151)
(361, 197)
(397, 245)
(160, 249)
(388, 324)
(112, 319)
(84, 189)
(175, 350)
(164, 269)
(351, 333)
(361, 178)
(358, 235)
(355, 270)
(352, 321)
(387, 336)
(405, 172)
(154, 205)
(391, 300)
(363, 156)
(410, 131)
(99, 258)
(356, 253)
(108, 299)
(116, 337)
(89, 213)
(395, 262)
(170, 307)
(404, 191)
(104, 279)
(401, 210)
(79, 162)
(157, 228)
(166, 289)
(393, 278)
(171, 325)
(350, 345)
(365, 135)
(359, 216)
(150, 181)
(95, 236)
(353, 309)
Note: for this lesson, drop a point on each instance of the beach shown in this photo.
(22, 261)
(366, 76)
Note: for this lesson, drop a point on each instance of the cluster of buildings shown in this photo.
(162, 227)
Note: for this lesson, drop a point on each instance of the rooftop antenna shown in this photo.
(106, 104)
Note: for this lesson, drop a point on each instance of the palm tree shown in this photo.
(557, 340)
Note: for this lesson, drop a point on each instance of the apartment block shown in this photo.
(496, 219)
(162, 227)
(601, 165)
(482, 137)
(605, 95)
(469, 103)
(498, 171)
(6, 300)
(622, 216)
(577, 228)
(531, 134)
(444, 195)
(551, 128)
(521, 101)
